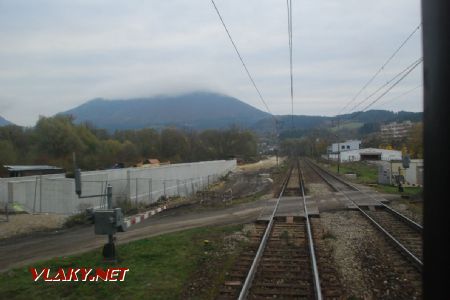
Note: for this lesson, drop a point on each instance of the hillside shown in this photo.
(382, 116)
(203, 110)
(284, 122)
(355, 119)
(199, 110)
(4, 122)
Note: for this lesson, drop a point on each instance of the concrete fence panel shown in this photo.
(56, 194)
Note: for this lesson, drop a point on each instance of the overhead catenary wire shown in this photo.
(381, 68)
(389, 89)
(242, 61)
(385, 84)
(405, 71)
(401, 95)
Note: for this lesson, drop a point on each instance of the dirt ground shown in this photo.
(20, 224)
(262, 164)
(246, 183)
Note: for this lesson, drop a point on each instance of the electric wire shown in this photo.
(242, 60)
(400, 96)
(389, 89)
(381, 68)
(385, 84)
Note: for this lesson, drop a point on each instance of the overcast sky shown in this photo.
(55, 55)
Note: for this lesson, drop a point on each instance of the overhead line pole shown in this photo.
(339, 147)
(289, 11)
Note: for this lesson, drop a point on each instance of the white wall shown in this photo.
(56, 194)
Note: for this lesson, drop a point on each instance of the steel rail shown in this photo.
(251, 273)
(316, 277)
(404, 218)
(417, 262)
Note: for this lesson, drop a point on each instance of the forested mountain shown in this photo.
(204, 110)
(95, 131)
(382, 116)
(199, 110)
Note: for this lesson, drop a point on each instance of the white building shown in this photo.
(344, 146)
(366, 154)
(412, 176)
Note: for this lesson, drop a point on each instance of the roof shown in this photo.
(371, 151)
(377, 150)
(15, 168)
(348, 141)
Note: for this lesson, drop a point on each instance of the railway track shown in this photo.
(284, 263)
(403, 233)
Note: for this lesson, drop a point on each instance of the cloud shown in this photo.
(59, 54)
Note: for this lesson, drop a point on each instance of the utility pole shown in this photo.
(339, 147)
(276, 153)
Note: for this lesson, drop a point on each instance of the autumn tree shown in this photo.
(174, 145)
(415, 141)
(53, 140)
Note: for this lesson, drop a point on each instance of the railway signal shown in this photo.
(106, 221)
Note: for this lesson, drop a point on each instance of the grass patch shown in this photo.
(365, 173)
(390, 189)
(160, 268)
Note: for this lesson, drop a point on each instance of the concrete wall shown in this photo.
(56, 194)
